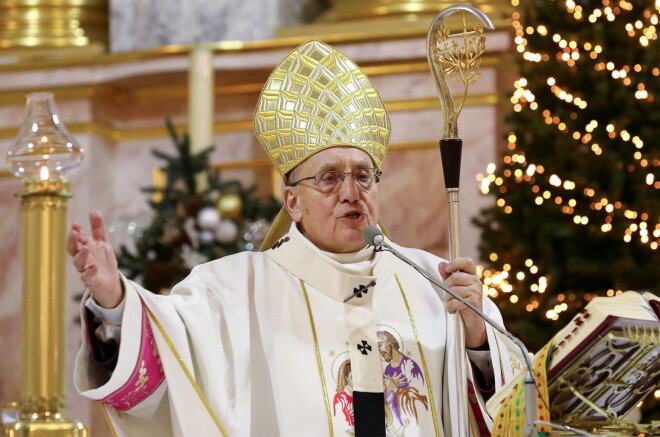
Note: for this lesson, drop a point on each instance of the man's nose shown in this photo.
(348, 190)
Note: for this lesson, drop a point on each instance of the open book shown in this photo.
(603, 362)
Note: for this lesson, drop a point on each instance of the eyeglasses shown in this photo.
(327, 181)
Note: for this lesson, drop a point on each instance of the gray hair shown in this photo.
(292, 175)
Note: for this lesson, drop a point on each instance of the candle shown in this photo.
(200, 99)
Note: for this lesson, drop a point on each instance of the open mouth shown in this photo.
(352, 215)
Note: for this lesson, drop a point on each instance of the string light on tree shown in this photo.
(576, 206)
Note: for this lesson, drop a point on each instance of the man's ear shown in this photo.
(292, 203)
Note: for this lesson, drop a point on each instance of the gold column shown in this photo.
(342, 10)
(43, 398)
(53, 23)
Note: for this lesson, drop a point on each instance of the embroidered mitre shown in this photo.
(318, 98)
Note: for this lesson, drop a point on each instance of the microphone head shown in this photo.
(372, 236)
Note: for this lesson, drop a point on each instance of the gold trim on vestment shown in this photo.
(499, 355)
(187, 372)
(318, 358)
(421, 353)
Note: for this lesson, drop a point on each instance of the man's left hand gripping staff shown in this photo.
(460, 275)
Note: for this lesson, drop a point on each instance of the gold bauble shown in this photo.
(230, 206)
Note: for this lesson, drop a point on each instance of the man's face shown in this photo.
(333, 221)
(385, 350)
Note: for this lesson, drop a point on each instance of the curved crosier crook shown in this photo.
(464, 61)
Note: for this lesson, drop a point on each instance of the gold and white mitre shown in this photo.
(318, 98)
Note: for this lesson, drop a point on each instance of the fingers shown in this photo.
(72, 239)
(83, 259)
(442, 268)
(109, 254)
(466, 286)
(98, 226)
(76, 237)
(454, 305)
(446, 269)
(460, 264)
(461, 279)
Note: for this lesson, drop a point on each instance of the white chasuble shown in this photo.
(282, 343)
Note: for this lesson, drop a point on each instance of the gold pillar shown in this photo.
(43, 398)
(343, 10)
(53, 23)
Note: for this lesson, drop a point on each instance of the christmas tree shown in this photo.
(577, 206)
(196, 218)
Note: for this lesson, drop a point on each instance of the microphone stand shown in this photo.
(380, 245)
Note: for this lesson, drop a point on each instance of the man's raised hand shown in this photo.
(96, 262)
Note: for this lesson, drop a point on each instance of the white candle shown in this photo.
(200, 99)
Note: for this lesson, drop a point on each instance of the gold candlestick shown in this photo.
(41, 155)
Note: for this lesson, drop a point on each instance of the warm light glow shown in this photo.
(43, 173)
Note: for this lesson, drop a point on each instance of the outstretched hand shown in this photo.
(460, 275)
(96, 261)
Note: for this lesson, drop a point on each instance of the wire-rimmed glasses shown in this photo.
(327, 181)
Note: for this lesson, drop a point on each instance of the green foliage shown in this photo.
(173, 243)
(610, 171)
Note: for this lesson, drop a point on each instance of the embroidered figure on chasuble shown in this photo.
(343, 400)
(315, 335)
(404, 383)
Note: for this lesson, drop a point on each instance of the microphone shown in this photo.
(374, 237)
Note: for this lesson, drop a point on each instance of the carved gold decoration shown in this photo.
(317, 98)
(49, 186)
(449, 60)
(42, 404)
(461, 64)
(343, 10)
(53, 23)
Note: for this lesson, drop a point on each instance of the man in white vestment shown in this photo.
(285, 342)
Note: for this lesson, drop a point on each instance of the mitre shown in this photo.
(318, 98)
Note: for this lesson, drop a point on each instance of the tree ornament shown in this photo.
(230, 205)
(206, 237)
(227, 232)
(254, 233)
(208, 219)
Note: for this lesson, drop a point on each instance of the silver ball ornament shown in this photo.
(208, 218)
